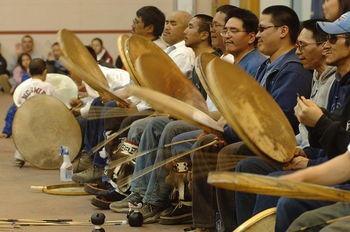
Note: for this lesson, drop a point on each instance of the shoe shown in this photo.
(90, 175)
(103, 201)
(82, 162)
(123, 205)
(98, 189)
(151, 213)
(180, 214)
(19, 163)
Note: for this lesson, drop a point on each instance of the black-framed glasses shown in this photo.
(301, 45)
(230, 30)
(334, 38)
(261, 28)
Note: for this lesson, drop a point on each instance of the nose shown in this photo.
(298, 52)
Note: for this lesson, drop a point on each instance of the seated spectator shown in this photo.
(26, 46)
(21, 69)
(52, 63)
(103, 57)
(4, 74)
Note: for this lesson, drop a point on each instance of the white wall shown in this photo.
(51, 15)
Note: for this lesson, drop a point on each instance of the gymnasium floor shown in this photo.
(18, 201)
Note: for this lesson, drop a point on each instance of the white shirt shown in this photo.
(183, 57)
(32, 87)
(117, 79)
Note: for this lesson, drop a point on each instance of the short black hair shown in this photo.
(225, 8)
(99, 40)
(283, 15)
(204, 24)
(249, 19)
(37, 66)
(55, 44)
(151, 15)
(91, 51)
(344, 6)
(311, 25)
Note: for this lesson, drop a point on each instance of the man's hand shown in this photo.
(298, 162)
(76, 111)
(307, 112)
(75, 102)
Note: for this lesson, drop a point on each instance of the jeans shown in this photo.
(153, 128)
(321, 215)
(245, 202)
(158, 190)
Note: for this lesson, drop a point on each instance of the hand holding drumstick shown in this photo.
(307, 112)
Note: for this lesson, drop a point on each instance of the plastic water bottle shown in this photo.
(66, 170)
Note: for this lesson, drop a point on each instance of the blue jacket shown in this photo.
(287, 78)
(11, 113)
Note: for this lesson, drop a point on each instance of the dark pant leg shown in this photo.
(288, 209)
(204, 203)
(245, 202)
(226, 198)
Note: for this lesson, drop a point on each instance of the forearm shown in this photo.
(332, 172)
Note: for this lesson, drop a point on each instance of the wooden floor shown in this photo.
(18, 201)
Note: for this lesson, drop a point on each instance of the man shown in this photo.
(149, 22)
(239, 38)
(53, 64)
(26, 46)
(31, 87)
(327, 130)
(152, 187)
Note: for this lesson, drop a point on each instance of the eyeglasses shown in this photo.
(334, 38)
(230, 30)
(261, 28)
(301, 45)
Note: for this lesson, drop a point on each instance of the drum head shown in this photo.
(266, 185)
(122, 52)
(167, 79)
(176, 108)
(65, 87)
(200, 65)
(263, 221)
(41, 125)
(73, 48)
(251, 111)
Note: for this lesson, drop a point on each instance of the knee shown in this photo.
(248, 164)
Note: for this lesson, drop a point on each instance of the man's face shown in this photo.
(336, 51)
(268, 36)
(27, 44)
(308, 50)
(174, 29)
(331, 9)
(235, 38)
(192, 36)
(215, 29)
(138, 27)
(56, 51)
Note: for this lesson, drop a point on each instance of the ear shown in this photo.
(252, 38)
(284, 31)
(204, 35)
(149, 29)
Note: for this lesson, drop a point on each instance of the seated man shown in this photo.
(327, 130)
(282, 75)
(31, 87)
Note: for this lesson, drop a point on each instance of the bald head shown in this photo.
(175, 25)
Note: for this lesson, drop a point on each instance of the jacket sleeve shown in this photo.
(9, 119)
(290, 80)
(329, 135)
